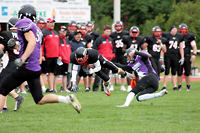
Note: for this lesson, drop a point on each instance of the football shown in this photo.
(90, 66)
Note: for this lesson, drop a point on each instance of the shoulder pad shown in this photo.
(24, 24)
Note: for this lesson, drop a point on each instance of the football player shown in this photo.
(119, 54)
(40, 23)
(30, 36)
(9, 43)
(174, 40)
(155, 44)
(188, 43)
(71, 29)
(92, 62)
(148, 83)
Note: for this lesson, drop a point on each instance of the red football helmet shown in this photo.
(89, 26)
(40, 23)
(157, 32)
(72, 26)
(183, 29)
(134, 31)
(119, 26)
(81, 56)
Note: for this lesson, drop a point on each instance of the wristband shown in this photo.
(194, 54)
(161, 45)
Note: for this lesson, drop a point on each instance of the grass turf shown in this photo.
(176, 112)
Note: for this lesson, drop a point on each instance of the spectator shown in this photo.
(50, 52)
(28, 63)
(63, 59)
(189, 41)
(106, 47)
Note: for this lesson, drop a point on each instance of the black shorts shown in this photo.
(49, 65)
(62, 70)
(17, 77)
(82, 73)
(147, 84)
(7, 70)
(186, 66)
(171, 62)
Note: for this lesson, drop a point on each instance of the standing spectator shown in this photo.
(133, 40)
(155, 44)
(174, 40)
(106, 47)
(188, 43)
(95, 35)
(76, 43)
(119, 56)
(63, 59)
(29, 69)
(8, 40)
(50, 52)
(148, 82)
(40, 23)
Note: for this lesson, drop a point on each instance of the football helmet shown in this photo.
(82, 28)
(134, 31)
(119, 25)
(40, 23)
(72, 26)
(81, 56)
(27, 11)
(11, 23)
(157, 32)
(183, 29)
(89, 26)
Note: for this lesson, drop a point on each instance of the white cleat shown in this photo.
(129, 89)
(123, 89)
(163, 92)
(111, 89)
(121, 106)
(75, 103)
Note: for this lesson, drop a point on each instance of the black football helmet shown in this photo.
(81, 56)
(134, 31)
(40, 23)
(183, 29)
(89, 26)
(11, 23)
(72, 26)
(119, 23)
(157, 32)
(27, 11)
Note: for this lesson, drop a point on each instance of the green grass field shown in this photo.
(176, 112)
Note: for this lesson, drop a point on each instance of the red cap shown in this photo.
(50, 20)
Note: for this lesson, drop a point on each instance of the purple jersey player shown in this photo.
(148, 83)
(28, 63)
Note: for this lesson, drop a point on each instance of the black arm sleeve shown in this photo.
(143, 55)
(124, 67)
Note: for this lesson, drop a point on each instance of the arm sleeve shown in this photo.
(74, 72)
(143, 55)
(124, 67)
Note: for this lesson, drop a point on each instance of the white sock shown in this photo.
(148, 96)
(129, 86)
(63, 99)
(122, 86)
(43, 87)
(129, 98)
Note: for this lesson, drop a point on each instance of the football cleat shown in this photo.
(75, 103)
(106, 90)
(163, 92)
(123, 88)
(121, 106)
(18, 102)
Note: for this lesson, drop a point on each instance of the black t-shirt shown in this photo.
(86, 40)
(172, 44)
(5, 36)
(93, 56)
(153, 45)
(117, 38)
(130, 42)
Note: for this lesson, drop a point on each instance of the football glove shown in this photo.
(181, 61)
(161, 59)
(74, 88)
(19, 62)
(129, 75)
(11, 42)
(86, 69)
